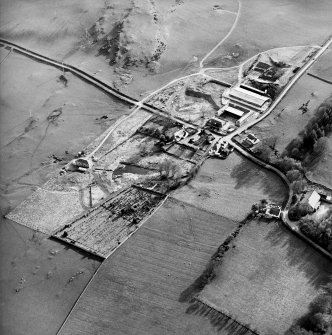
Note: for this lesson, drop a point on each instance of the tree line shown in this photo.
(304, 151)
(319, 319)
(319, 232)
(311, 143)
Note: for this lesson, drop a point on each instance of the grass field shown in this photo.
(137, 289)
(323, 68)
(40, 280)
(65, 196)
(321, 172)
(269, 279)
(30, 92)
(230, 187)
(48, 27)
(189, 30)
(286, 120)
(272, 24)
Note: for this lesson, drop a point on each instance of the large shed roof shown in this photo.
(248, 96)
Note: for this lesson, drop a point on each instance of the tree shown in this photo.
(319, 232)
(319, 322)
(297, 330)
(298, 186)
(168, 169)
(288, 163)
(293, 175)
(298, 211)
(263, 151)
(63, 79)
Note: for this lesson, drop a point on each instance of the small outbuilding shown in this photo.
(273, 211)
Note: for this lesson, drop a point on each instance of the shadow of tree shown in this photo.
(248, 174)
(218, 319)
(316, 267)
(294, 251)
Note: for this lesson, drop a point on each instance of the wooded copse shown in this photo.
(311, 143)
(305, 150)
(319, 232)
(318, 319)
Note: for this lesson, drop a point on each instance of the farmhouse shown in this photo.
(214, 124)
(252, 139)
(218, 125)
(312, 199)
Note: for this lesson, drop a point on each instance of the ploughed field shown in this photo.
(268, 279)
(137, 290)
(102, 228)
(230, 187)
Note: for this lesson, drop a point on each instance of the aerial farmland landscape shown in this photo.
(166, 167)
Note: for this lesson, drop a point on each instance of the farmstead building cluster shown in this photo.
(243, 102)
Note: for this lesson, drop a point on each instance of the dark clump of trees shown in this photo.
(63, 80)
(271, 89)
(279, 64)
(319, 319)
(304, 151)
(156, 133)
(311, 143)
(298, 211)
(319, 232)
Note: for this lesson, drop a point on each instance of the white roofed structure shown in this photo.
(247, 97)
(234, 111)
(312, 199)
